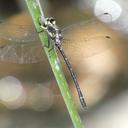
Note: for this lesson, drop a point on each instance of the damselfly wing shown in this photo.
(20, 43)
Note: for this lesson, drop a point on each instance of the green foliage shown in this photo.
(35, 11)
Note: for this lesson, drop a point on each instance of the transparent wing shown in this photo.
(76, 42)
(86, 47)
(27, 33)
(33, 53)
(104, 18)
(18, 33)
(87, 38)
(21, 53)
(19, 44)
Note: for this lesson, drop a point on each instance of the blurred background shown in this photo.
(29, 95)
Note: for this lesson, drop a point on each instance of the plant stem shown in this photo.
(36, 13)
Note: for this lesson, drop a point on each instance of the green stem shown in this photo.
(36, 13)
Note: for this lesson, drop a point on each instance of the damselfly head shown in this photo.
(49, 22)
(52, 29)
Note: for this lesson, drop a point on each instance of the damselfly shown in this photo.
(24, 49)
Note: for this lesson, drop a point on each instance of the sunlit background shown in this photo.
(29, 95)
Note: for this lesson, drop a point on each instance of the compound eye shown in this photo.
(52, 20)
(44, 25)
